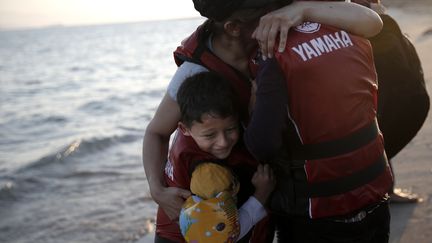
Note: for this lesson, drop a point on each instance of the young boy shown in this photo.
(209, 131)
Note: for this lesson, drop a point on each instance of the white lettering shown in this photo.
(346, 39)
(169, 170)
(330, 43)
(337, 40)
(309, 51)
(299, 50)
(324, 44)
(319, 45)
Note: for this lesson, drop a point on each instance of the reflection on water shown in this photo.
(74, 103)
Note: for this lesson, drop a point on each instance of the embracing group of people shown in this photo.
(280, 127)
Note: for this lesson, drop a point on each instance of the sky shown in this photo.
(39, 13)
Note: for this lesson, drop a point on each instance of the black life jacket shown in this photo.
(403, 101)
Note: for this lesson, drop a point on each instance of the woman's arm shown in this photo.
(156, 143)
(354, 18)
(155, 150)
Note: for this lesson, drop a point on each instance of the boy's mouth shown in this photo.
(222, 150)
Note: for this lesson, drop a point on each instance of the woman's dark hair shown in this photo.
(206, 92)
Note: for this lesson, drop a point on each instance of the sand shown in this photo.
(413, 165)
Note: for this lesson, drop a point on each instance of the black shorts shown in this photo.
(374, 228)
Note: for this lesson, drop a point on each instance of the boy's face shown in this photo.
(214, 135)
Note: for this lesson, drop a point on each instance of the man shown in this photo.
(315, 122)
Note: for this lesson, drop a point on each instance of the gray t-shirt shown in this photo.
(185, 70)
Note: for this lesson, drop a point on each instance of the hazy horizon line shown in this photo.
(60, 25)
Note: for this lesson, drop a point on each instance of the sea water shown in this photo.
(74, 104)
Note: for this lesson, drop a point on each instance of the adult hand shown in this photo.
(171, 199)
(274, 23)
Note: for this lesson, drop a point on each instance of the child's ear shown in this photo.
(184, 129)
(232, 28)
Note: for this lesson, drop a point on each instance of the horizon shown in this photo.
(31, 14)
(91, 24)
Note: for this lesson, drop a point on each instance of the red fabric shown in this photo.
(328, 102)
(242, 86)
(263, 231)
(375, 190)
(186, 52)
(316, 96)
(183, 153)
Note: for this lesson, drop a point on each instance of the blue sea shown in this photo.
(74, 105)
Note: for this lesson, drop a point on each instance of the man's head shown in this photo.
(236, 19)
(209, 113)
(220, 10)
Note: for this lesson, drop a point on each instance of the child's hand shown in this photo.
(264, 183)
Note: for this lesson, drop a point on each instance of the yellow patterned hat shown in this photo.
(209, 179)
(210, 221)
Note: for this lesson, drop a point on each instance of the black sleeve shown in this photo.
(263, 135)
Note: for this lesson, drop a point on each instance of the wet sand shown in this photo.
(413, 165)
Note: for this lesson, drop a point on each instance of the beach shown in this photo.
(412, 166)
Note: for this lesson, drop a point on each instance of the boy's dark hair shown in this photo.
(206, 92)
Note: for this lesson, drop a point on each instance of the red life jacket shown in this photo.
(183, 155)
(336, 163)
(194, 49)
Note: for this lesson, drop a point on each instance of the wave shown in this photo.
(50, 171)
(11, 187)
(81, 69)
(39, 119)
(156, 93)
(34, 184)
(80, 148)
(7, 190)
(101, 107)
(85, 174)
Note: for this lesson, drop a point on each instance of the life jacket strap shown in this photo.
(343, 184)
(335, 147)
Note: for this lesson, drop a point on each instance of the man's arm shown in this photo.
(155, 150)
(263, 135)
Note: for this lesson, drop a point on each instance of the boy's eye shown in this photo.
(232, 129)
(210, 135)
